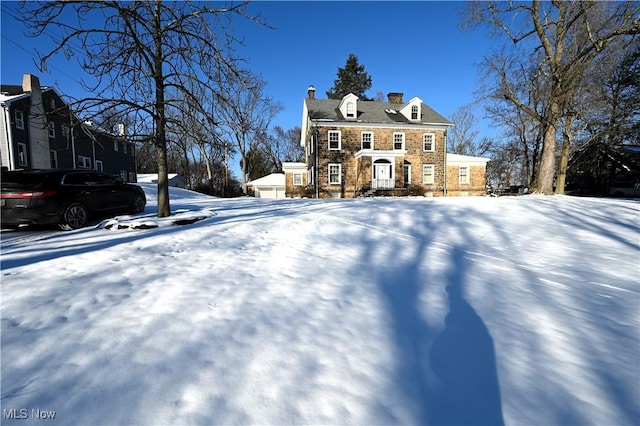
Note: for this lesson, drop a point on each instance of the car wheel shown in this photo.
(138, 204)
(75, 216)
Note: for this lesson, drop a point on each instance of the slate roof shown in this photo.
(371, 112)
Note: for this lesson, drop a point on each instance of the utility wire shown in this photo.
(35, 58)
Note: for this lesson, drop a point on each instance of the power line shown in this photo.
(36, 58)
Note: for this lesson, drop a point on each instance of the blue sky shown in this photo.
(413, 47)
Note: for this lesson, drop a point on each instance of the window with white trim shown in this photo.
(428, 173)
(22, 154)
(65, 130)
(429, 142)
(52, 129)
(19, 116)
(351, 110)
(414, 112)
(84, 162)
(367, 140)
(334, 140)
(99, 165)
(335, 170)
(297, 179)
(53, 158)
(463, 174)
(398, 141)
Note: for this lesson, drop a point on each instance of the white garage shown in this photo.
(271, 186)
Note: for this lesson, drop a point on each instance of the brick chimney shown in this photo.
(311, 91)
(395, 97)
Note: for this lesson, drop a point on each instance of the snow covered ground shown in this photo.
(522, 311)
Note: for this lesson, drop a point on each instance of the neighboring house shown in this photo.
(175, 179)
(356, 147)
(37, 131)
(270, 186)
(604, 169)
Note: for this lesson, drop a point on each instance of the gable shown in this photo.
(412, 110)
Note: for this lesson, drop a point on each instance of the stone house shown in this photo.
(355, 147)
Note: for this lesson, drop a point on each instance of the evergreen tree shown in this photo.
(351, 79)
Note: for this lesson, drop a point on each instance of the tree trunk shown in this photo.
(245, 160)
(546, 173)
(164, 210)
(564, 156)
(163, 180)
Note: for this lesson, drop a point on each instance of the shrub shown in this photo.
(416, 190)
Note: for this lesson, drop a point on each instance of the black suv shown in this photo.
(67, 198)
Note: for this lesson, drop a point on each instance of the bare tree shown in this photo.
(141, 56)
(245, 115)
(569, 35)
(462, 138)
(283, 145)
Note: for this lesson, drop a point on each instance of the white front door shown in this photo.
(382, 176)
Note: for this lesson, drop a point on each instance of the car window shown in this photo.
(74, 179)
(89, 179)
(21, 178)
(107, 180)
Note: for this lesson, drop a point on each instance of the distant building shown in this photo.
(38, 131)
(270, 186)
(175, 179)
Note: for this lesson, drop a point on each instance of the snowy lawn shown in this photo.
(522, 311)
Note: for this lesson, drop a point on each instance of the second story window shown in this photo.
(334, 140)
(398, 141)
(19, 115)
(52, 129)
(367, 140)
(65, 130)
(428, 141)
(116, 146)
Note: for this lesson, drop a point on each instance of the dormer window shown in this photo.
(412, 110)
(349, 107)
(351, 110)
